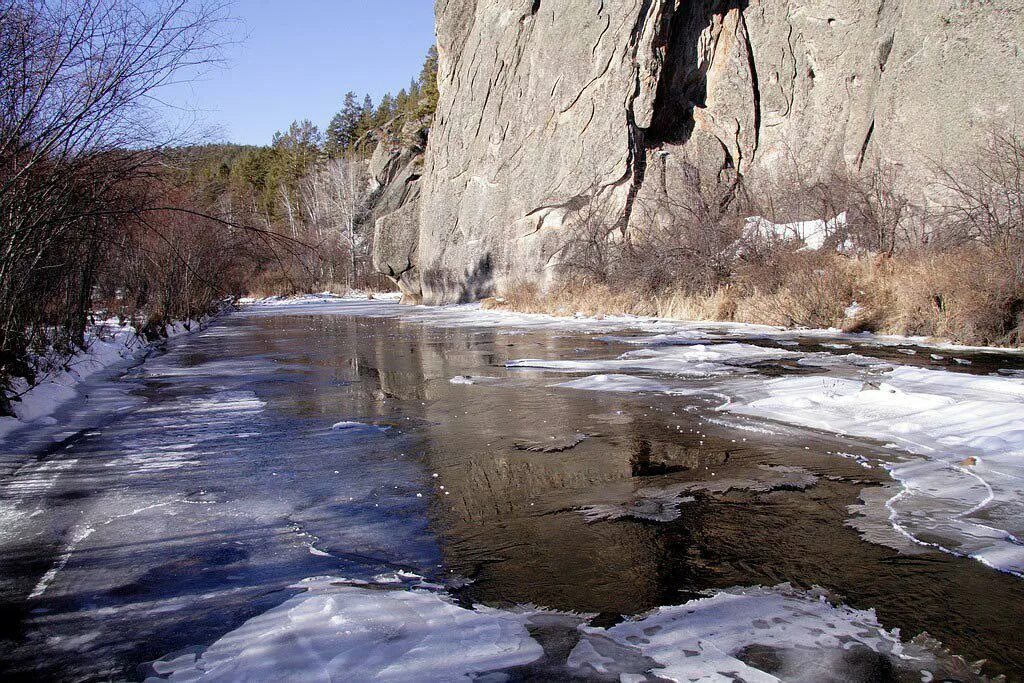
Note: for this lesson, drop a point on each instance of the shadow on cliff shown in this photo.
(683, 86)
(476, 283)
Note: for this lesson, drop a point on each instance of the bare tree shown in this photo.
(78, 133)
(987, 202)
(335, 195)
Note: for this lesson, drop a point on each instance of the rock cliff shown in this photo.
(546, 103)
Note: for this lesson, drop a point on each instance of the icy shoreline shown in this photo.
(474, 315)
(109, 344)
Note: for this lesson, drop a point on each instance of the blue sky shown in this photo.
(297, 58)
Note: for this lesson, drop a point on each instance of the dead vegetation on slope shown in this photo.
(950, 269)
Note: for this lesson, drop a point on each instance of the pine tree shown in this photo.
(414, 98)
(385, 111)
(402, 103)
(361, 144)
(341, 131)
(428, 84)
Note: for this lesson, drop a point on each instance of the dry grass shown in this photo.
(966, 296)
(276, 283)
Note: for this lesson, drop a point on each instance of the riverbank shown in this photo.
(109, 344)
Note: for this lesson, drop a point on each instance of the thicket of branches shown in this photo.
(104, 211)
(952, 267)
(89, 212)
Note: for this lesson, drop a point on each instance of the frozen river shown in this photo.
(358, 491)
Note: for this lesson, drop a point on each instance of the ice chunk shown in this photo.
(349, 425)
(701, 360)
(662, 504)
(617, 383)
(710, 640)
(344, 632)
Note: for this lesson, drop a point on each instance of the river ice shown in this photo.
(338, 630)
(963, 491)
(229, 480)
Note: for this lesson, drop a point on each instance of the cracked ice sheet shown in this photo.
(341, 630)
(701, 360)
(662, 504)
(966, 494)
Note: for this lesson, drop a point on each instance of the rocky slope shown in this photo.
(547, 103)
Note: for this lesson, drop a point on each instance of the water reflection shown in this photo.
(447, 491)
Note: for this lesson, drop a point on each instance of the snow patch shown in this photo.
(813, 233)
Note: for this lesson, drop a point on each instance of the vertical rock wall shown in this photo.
(545, 103)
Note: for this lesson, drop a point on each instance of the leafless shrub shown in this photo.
(683, 238)
(76, 135)
(987, 202)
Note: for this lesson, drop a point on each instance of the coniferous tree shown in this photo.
(341, 131)
(360, 137)
(402, 103)
(414, 98)
(428, 84)
(385, 110)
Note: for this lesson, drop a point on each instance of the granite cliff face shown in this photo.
(546, 103)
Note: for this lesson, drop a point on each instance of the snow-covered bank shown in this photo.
(344, 630)
(321, 298)
(107, 344)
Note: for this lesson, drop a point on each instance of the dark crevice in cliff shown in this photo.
(637, 164)
(683, 85)
(755, 85)
(864, 147)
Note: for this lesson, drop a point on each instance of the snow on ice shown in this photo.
(966, 431)
(350, 630)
